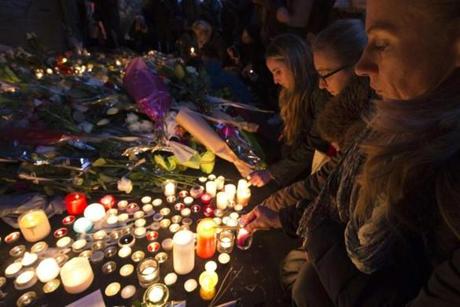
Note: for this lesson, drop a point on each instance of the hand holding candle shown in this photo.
(260, 218)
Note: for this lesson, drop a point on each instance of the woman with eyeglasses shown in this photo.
(289, 59)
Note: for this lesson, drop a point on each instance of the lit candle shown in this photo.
(108, 201)
(220, 181)
(230, 189)
(243, 239)
(225, 241)
(34, 225)
(156, 295)
(82, 225)
(243, 184)
(95, 212)
(77, 275)
(29, 258)
(211, 188)
(243, 196)
(192, 51)
(148, 272)
(169, 188)
(222, 200)
(75, 203)
(183, 252)
(205, 199)
(208, 281)
(47, 270)
(206, 240)
(196, 191)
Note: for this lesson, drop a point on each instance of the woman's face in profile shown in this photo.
(408, 52)
(282, 75)
(333, 74)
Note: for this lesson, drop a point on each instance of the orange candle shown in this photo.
(206, 238)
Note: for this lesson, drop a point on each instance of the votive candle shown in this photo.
(208, 281)
(34, 225)
(206, 238)
(77, 275)
(75, 203)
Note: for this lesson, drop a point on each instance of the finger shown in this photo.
(247, 218)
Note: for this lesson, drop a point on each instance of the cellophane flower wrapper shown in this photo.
(147, 89)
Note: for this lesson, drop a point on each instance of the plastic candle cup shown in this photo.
(183, 252)
(208, 281)
(77, 275)
(222, 201)
(75, 203)
(94, 212)
(34, 225)
(206, 238)
(205, 199)
(169, 188)
(211, 188)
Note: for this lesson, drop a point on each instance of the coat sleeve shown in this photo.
(346, 285)
(306, 189)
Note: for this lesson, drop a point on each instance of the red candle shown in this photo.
(208, 211)
(205, 199)
(206, 238)
(108, 201)
(75, 203)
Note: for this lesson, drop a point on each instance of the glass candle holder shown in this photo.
(148, 272)
(243, 239)
(34, 225)
(225, 241)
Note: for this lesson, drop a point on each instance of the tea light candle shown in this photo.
(29, 259)
(122, 204)
(75, 203)
(211, 188)
(243, 196)
(140, 223)
(108, 201)
(51, 286)
(48, 269)
(25, 280)
(148, 272)
(208, 281)
(64, 242)
(94, 212)
(183, 193)
(190, 285)
(165, 223)
(179, 206)
(224, 258)
(39, 247)
(156, 295)
(225, 241)
(169, 188)
(132, 208)
(13, 269)
(77, 275)
(157, 202)
(238, 207)
(148, 208)
(123, 217)
(146, 199)
(99, 235)
(185, 212)
(174, 228)
(128, 292)
(139, 232)
(170, 279)
(112, 289)
(230, 189)
(183, 252)
(112, 220)
(126, 270)
(206, 241)
(192, 53)
(124, 252)
(170, 199)
(34, 225)
(138, 214)
(176, 219)
(222, 200)
(203, 179)
(165, 211)
(138, 256)
(188, 200)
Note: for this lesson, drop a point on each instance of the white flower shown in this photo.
(134, 127)
(146, 126)
(131, 118)
(125, 185)
(191, 70)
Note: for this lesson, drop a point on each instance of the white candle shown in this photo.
(243, 196)
(29, 259)
(222, 200)
(220, 181)
(47, 270)
(188, 200)
(94, 212)
(230, 189)
(169, 188)
(211, 188)
(112, 220)
(77, 275)
(183, 252)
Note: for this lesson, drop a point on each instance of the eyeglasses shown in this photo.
(324, 77)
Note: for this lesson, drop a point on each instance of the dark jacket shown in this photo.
(296, 159)
(425, 266)
(340, 121)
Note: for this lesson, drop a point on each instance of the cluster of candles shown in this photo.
(215, 198)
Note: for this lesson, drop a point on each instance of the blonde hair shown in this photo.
(296, 55)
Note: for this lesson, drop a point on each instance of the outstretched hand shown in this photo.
(260, 218)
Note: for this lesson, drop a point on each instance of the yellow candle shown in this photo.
(34, 225)
(208, 281)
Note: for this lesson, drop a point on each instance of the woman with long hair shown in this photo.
(289, 60)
